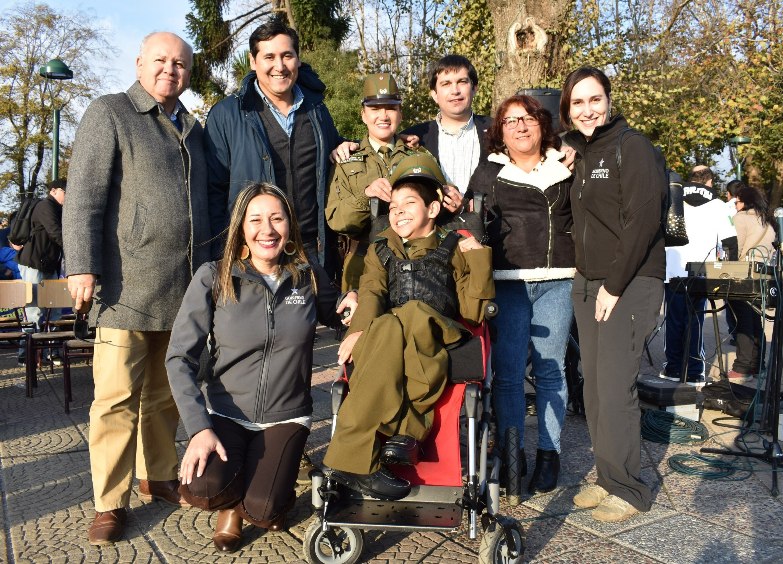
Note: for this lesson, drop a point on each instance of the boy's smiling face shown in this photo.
(409, 216)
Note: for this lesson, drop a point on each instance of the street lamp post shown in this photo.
(55, 70)
(734, 144)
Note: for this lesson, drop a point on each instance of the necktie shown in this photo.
(385, 152)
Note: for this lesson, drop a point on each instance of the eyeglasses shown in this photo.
(511, 122)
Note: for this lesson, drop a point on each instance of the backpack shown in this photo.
(673, 211)
(21, 228)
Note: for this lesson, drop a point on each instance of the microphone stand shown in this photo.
(771, 410)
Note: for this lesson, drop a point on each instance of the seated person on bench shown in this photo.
(417, 280)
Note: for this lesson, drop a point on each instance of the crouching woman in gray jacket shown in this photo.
(249, 420)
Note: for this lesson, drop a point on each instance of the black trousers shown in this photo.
(749, 338)
(611, 354)
(260, 475)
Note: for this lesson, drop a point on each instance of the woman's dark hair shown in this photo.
(224, 290)
(572, 80)
(754, 199)
(733, 187)
(534, 108)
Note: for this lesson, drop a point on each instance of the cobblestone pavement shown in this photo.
(47, 498)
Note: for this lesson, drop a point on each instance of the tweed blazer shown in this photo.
(136, 213)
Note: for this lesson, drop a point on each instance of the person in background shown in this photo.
(248, 422)
(755, 235)
(731, 251)
(528, 200)
(618, 286)
(136, 227)
(9, 268)
(707, 227)
(41, 255)
(457, 137)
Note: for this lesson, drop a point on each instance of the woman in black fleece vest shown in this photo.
(618, 286)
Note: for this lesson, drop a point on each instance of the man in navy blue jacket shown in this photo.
(275, 128)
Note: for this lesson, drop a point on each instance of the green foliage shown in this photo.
(339, 71)
(30, 36)
(212, 43)
(318, 21)
(473, 36)
(214, 37)
(691, 79)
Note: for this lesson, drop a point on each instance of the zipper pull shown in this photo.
(581, 188)
(271, 314)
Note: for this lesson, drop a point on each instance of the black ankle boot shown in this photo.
(545, 474)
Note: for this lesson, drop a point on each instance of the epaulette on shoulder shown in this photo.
(442, 233)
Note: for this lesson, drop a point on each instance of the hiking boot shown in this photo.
(590, 497)
(613, 510)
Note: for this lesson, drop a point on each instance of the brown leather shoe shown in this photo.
(108, 526)
(167, 491)
(228, 530)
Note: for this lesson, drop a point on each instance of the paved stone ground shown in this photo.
(47, 505)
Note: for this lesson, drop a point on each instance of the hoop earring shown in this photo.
(290, 250)
(245, 253)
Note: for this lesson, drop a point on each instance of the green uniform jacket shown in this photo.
(472, 273)
(347, 206)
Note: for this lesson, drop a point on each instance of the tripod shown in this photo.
(771, 408)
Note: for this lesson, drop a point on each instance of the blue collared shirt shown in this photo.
(286, 122)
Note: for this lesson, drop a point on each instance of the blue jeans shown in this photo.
(33, 313)
(539, 313)
(679, 307)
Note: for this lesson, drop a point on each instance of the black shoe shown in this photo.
(21, 360)
(545, 473)
(380, 485)
(400, 449)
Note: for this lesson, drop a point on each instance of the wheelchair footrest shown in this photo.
(426, 508)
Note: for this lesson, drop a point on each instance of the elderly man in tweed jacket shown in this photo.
(136, 227)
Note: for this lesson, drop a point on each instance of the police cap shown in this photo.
(380, 89)
(420, 165)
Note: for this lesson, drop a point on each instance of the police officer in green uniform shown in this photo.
(365, 174)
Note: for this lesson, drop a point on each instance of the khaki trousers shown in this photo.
(400, 372)
(133, 418)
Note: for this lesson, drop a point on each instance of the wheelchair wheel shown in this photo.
(494, 547)
(339, 545)
(513, 465)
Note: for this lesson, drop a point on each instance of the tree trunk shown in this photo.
(528, 43)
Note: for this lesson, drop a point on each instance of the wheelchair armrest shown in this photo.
(339, 391)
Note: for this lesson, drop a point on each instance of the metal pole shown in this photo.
(56, 143)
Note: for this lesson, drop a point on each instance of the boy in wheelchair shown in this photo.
(418, 279)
